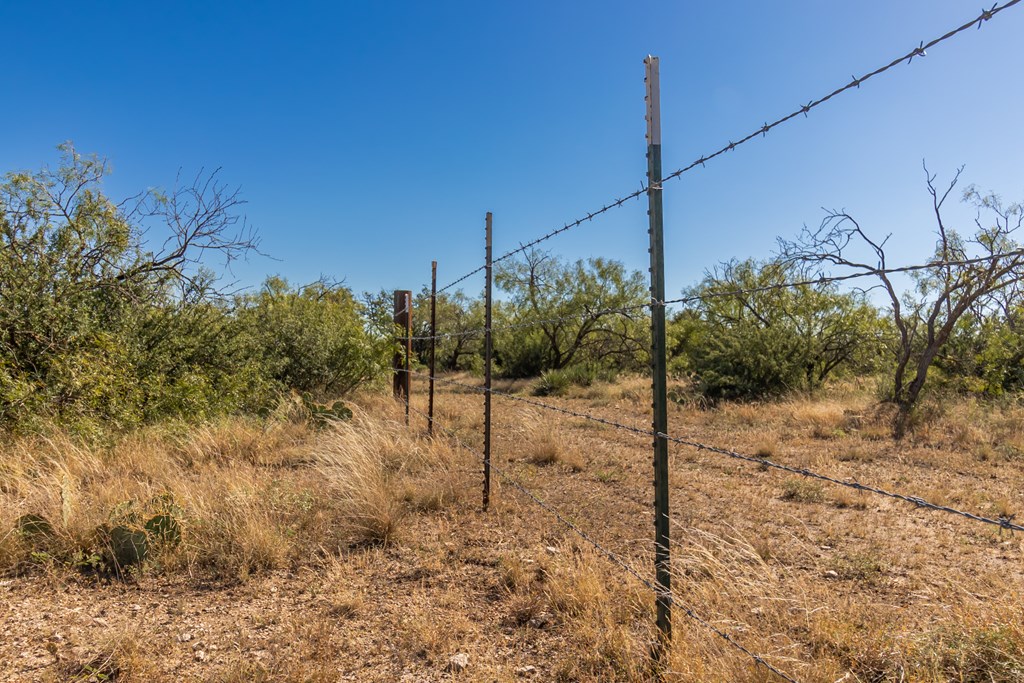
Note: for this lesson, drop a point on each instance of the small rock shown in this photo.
(458, 663)
(541, 620)
(527, 670)
(184, 637)
(200, 656)
(552, 550)
(831, 574)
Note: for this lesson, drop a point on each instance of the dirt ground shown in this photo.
(825, 583)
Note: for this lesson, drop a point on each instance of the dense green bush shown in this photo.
(311, 339)
(985, 353)
(459, 322)
(556, 315)
(97, 328)
(745, 339)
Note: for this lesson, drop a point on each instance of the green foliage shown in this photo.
(569, 314)
(310, 339)
(460, 319)
(985, 352)
(751, 344)
(98, 329)
(557, 382)
(33, 527)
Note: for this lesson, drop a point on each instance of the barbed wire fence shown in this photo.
(659, 433)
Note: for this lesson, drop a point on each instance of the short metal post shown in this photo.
(403, 378)
(662, 568)
(433, 344)
(487, 364)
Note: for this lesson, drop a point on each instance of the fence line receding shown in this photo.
(659, 433)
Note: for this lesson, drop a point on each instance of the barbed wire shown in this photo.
(855, 82)
(610, 555)
(625, 310)
(568, 226)
(819, 280)
(830, 279)
(1003, 521)
(461, 279)
(636, 194)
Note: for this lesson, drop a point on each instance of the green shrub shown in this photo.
(745, 337)
(311, 339)
(103, 331)
(557, 382)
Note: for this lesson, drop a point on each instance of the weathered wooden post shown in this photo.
(400, 362)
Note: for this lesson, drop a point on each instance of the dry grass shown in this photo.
(248, 496)
(366, 557)
(545, 446)
(828, 605)
(575, 593)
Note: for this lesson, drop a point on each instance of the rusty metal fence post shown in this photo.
(402, 376)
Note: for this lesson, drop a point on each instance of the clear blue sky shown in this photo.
(370, 138)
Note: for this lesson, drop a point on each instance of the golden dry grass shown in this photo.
(360, 551)
(249, 496)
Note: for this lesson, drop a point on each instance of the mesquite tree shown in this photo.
(80, 273)
(968, 272)
(587, 311)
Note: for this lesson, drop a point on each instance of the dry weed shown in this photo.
(246, 496)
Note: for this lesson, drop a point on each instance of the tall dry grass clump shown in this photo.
(376, 472)
(204, 489)
(228, 498)
(800, 624)
(603, 618)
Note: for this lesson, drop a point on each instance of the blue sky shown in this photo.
(370, 138)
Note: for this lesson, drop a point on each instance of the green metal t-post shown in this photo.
(433, 345)
(488, 271)
(663, 576)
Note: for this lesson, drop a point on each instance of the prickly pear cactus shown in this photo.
(321, 415)
(341, 411)
(33, 527)
(164, 529)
